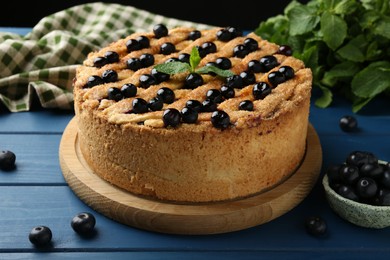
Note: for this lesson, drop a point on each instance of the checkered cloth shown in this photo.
(44, 61)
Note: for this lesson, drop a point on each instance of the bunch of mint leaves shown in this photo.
(346, 43)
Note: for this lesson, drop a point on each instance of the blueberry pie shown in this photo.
(191, 136)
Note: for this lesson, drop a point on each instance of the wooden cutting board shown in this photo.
(194, 219)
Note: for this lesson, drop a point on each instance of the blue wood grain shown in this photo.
(37, 159)
(42, 121)
(22, 208)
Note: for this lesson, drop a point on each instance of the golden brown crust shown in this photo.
(193, 162)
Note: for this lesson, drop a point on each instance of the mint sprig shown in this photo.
(345, 43)
(175, 67)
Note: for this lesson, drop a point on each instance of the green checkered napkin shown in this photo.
(44, 61)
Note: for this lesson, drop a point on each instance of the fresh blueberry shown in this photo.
(254, 66)
(155, 104)
(134, 64)
(193, 80)
(194, 104)
(159, 76)
(366, 188)
(316, 226)
(248, 78)
(347, 192)
(94, 81)
(146, 80)
(223, 63)
(284, 50)
(167, 48)
(287, 71)
(193, 35)
(129, 90)
(349, 174)
(261, 90)
(184, 57)
(7, 160)
(99, 61)
(224, 35)
(208, 105)
(110, 76)
(268, 62)
(146, 60)
(83, 223)
(220, 119)
(171, 117)
(227, 92)
(111, 56)
(114, 94)
(234, 81)
(160, 30)
(143, 41)
(189, 115)
(166, 95)
(140, 106)
(275, 78)
(214, 95)
(348, 123)
(251, 44)
(133, 45)
(240, 51)
(40, 236)
(246, 105)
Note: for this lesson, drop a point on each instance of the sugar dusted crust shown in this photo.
(193, 162)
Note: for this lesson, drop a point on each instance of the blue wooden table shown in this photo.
(37, 194)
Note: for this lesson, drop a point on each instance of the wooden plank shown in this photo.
(248, 255)
(36, 159)
(42, 121)
(22, 208)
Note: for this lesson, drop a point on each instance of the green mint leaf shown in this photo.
(341, 72)
(345, 7)
(383, 27)
(216, 70)
(194, 58)
(354, 49)
(334, 29)
(303, 19)
(359, 103)
(372, 80)
(326, 98)
(173, 67)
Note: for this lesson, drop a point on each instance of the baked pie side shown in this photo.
(200, 161)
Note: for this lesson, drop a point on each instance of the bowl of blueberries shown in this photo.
(358, 189)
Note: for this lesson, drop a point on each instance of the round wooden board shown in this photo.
(194, 219)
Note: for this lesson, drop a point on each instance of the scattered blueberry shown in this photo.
(159, 76)
(348, 123)
(83, 223)
(184, 57)
(268, 62)
(223, 63)
(214, 95)
(133, 45)
(146, 60)
(240, 51)
(7, 160)
(134, 64)
(251, 44)
(143, 41)
(40, 236)
(316, 226)
(208, 105)
(275, 78)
